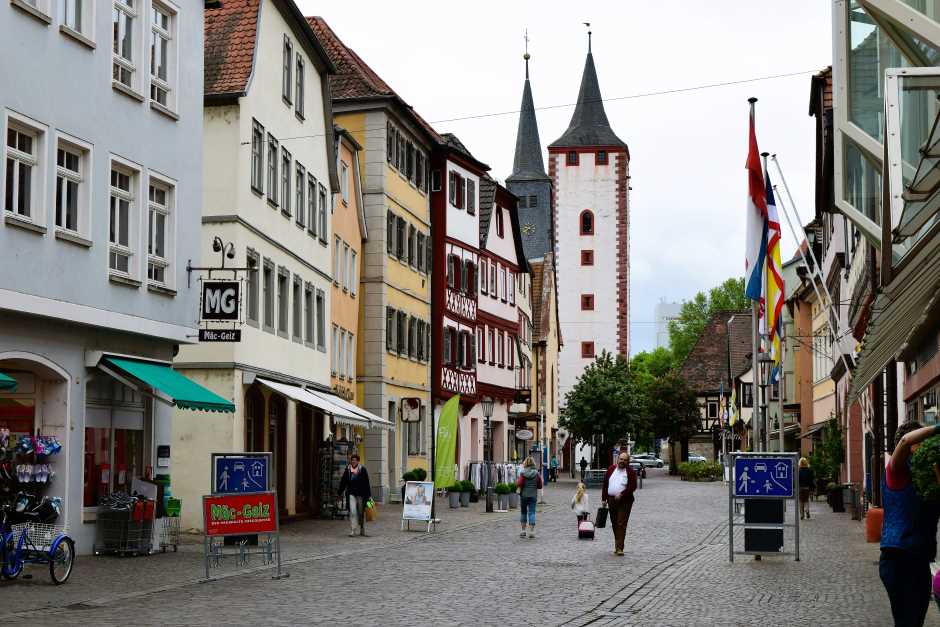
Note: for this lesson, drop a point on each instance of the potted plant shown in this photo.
(466, 487)
(420, 474)
(513, 496)
(502, 491)
(453, 494)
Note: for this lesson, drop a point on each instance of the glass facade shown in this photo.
(870, 53)
(862, 178)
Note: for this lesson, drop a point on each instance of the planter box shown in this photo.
(464, 499)
(503, 501)
(454, 499)
(513, 500)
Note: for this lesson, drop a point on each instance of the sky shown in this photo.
(687, 149)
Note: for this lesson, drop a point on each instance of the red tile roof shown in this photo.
(355, 80)
(707, 365)
(230, 31)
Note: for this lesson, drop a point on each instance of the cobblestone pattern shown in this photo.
(476, 570)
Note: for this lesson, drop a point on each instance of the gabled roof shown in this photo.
(707, 364)
(452, 142)
(231, 33)
(543, 305)
(487, 199)
(355, 81)
(527, 164)
(589, 125)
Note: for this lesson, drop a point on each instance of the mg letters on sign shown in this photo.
(220, 300)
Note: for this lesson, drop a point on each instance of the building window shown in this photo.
(350, 357)
(471, 197)
(389, 143)
(470, 279)
(390, 232)
(272, 169)
(311, 205)
(283, 301)
(587, 257)
(511, 349)
(257, 156)
(775, 391)
(747, 395)
(344, 269)
(483, 276)
(587, 350)
(321, 320)
(502, 284)
(334, 348)
(286, 81)
(300, 207)
(71, 191)
(122, 208)
(435, 180)
(160, 230)
(77, 14)
(410, 162)
(344, 181)
(298, 313)
(412, 244)
(309, 312)
(420, 165)
(601, 157)
(452, 187)
(322, 204)
(161, 53)
(571, 158)
(586, 222)
(299, 96)
(353, 272)
(400, 239)
(493, 285)
(500, 230)
(252, 287)
(712, 409)
(412, 337)
(511, 287)
(389, 329)
(23, 175)
(420, 252)
(268, 288)
(401, 346)
(285, 181)
(587, 302)
(341, 357)
(123, 25)
(501, 339)
(491, 343)
(337, 243)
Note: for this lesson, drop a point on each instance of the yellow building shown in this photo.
(546, 345)
(393, 360)
(349, 232)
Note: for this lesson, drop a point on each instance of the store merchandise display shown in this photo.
(26, 472)
(124, 525)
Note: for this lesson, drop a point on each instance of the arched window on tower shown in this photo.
(587, 222)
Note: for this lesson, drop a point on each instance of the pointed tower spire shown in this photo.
(589, 125)
(528, 164)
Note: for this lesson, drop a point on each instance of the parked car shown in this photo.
(638, 467)
(696, 458)
(648, 459)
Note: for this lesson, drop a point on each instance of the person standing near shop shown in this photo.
(355, 483)
(583, 463)
(529, 484)
(807, 481)
(908, 533)
(617, 494)
(553, 467)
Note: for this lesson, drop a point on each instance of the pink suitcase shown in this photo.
(585, 530)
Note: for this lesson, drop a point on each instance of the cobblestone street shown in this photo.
(476, 570)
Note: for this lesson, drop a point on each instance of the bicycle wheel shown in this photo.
(61, 561)
(11, 566)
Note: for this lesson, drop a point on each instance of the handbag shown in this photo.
(601, 518)
(371, 511)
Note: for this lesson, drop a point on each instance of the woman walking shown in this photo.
(355, 483)
(529, 484)
(807, 481)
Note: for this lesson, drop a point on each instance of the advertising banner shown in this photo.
(239, 514)
(446, 453)
(418, 497)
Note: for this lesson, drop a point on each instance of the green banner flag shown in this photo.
(446, 454)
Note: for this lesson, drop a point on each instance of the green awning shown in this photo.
(177, 389)
(7, 383)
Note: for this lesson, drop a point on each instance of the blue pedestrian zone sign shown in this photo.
(763, 476)
(237, 474)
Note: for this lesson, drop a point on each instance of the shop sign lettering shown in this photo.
(236, 514)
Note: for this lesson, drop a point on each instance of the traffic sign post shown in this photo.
(239, 473)
(761, 480)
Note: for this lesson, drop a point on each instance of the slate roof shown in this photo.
(527, 164)
(231, 31)
(707, 364)
(453, 142)
(589, 125)
(487, 200)
(355, 80)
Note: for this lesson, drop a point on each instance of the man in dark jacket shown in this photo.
(617, 494)
(355, 483)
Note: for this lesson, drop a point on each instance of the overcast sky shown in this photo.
(687, 149)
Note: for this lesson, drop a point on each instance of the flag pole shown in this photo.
(755, 345)
(766, 368)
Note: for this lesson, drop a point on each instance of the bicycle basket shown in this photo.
(39, 535)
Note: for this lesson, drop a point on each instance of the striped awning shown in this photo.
(897, 314)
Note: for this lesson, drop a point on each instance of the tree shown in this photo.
(685, 330)
(606, 401)
(675, 413)
(645, 367)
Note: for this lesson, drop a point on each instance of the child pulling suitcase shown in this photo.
(585, 528)
(582, 507)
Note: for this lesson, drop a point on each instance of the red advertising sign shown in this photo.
(236, 514)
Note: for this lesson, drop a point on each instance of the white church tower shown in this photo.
(590, 169)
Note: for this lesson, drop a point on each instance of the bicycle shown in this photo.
(34, 542)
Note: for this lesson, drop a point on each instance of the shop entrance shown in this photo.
(305, 468)
(277, 434)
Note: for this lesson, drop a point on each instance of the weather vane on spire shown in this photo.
(588, 24)
(526, 56)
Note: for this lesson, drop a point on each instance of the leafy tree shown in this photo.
(675, 414)
(685, 330)
(606, 401)
(645, 367)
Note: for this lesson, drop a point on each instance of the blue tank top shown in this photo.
(910, 524)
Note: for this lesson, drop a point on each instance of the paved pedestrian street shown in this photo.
(477, 571)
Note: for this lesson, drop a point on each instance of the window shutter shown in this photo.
(473, 350)
(471, 196)
(452, 187)
(483, 276)
(389, 328)
(450, 271)
(430, 255)
(461, 350)
(471, 278)
(390, 232)
(446, 345)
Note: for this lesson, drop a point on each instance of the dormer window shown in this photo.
(500, 231)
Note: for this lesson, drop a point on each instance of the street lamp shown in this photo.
(487, 404)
